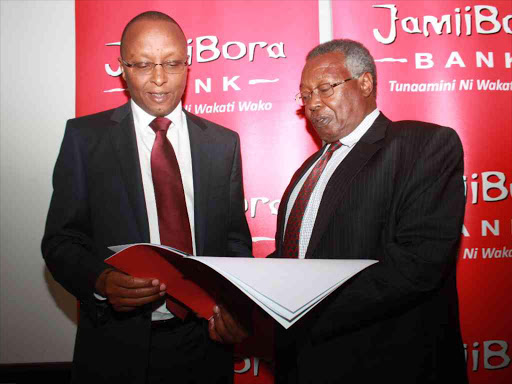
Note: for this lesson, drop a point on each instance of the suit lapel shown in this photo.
(344, 175)
(125, 144)
(200, 142)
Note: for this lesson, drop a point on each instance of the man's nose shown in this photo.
(158, 75)
(314, 102)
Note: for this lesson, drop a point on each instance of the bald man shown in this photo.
(107, 191)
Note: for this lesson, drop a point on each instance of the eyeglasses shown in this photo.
(145, 68)
(323, 90)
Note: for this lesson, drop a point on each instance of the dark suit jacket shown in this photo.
(98, 201)
(398, 197)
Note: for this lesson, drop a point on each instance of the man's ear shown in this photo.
(122, 68)
(366, 84)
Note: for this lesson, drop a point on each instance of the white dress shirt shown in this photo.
(348, 142)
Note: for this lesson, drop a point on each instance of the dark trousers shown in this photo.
(185, 354)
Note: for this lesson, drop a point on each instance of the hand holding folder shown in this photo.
(126, 293)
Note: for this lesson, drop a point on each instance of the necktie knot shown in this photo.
(328, 154)
(160, 124)
(334, 146)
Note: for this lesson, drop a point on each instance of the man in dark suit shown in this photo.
(108, 190)
(390, 191)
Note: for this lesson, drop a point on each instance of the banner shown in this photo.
(449, 62)
(446, 62)
(245, 68)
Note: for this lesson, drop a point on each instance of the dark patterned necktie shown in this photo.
(292, 233)
(173, 222)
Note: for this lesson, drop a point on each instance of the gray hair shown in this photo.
(358, 59)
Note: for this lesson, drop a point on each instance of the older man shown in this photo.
(391, 191)
(147, 171)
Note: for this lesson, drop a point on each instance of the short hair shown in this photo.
(149, 15)
(358, 59)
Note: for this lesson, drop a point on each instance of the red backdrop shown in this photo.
(246, 59)
(483, 119)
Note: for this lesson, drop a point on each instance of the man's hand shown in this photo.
(126, 292)
(224, 328)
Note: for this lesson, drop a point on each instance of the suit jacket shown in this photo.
(397, 197)
(98, 201)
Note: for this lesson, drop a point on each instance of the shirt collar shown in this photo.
(353, 137)
(143, 119)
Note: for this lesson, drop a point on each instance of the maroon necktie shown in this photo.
(173, 221)
(291, 237)
(169, 194)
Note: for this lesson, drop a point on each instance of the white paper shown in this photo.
(284, 288)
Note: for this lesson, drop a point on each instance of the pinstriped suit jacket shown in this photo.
(398, 197)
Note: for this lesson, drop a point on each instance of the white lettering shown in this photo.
(212, 47)
(279, 53)
(437, 25)
(274, 207)
(467, 19)
(254, 204)
(110, 72)
(250, 106)
(487, 226)
(470, 253)
(501, 354)
(246, 367)
(465, 85)
(241, 47)
(499, 185)
(424, 60)
(475, 354)
(489, 60)
(206, 87)
(230, 83)
(415, 25)
(479, 19)
(252, 47)
(392, 29)
(506, 24)
(455, 59)
(485, 24)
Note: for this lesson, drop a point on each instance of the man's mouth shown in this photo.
(158, 97)
(321, 121)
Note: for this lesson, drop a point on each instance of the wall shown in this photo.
(37, 317)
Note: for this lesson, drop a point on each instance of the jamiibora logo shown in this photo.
(207, 49)
(483, 19)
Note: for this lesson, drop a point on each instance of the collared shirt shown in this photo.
(348, 142)
(179, 138)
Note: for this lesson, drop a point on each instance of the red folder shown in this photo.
(188, 281)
